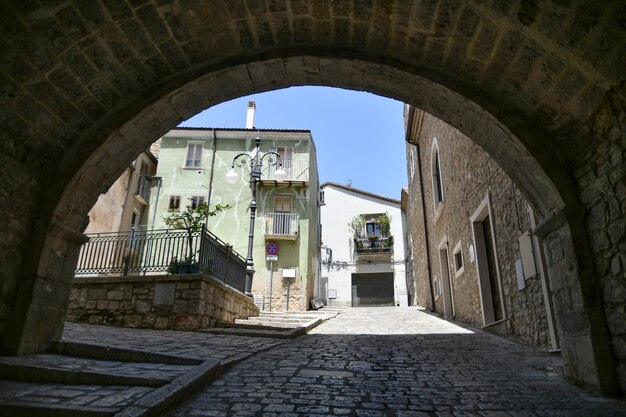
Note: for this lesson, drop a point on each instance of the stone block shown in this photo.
(161, 323)
(115, 295)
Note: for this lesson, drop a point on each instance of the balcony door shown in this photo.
(286, 159)
(282, 219)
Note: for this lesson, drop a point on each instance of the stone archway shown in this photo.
(539, 87)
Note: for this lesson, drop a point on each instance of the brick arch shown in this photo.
(539, 85)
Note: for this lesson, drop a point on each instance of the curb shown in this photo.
(163, 398)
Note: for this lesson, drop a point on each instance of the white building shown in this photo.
(362, 248)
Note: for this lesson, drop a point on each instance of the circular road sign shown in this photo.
(271, 248)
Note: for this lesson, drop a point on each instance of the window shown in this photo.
(412, 163)
(458, 260)
(435, 167)
(373, 229)
(194, 155)
(196, 201)
(286, 159)
(282, 217)
(174, 202)
(322, 197)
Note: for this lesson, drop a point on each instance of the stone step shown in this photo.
(72, 370)
(277, 320)
(286, 333)
(26, 399)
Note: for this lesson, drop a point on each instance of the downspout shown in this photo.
(208, 201)
(426, 237)
(156, 200)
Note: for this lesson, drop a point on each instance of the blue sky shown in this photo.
(359, 136)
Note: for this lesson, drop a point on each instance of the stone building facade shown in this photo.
(125, 204)
(473, 252)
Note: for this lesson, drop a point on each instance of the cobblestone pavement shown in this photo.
(187, 344)
(371, 362)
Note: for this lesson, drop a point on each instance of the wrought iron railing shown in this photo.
(374, 246)
(281, 224)
(157, 251)
(296, 170)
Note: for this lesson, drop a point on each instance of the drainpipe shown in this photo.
(156, 200)
(426, 239)
(208, 201)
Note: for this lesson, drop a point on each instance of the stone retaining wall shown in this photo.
(178, 302)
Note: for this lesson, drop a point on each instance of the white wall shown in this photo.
(337, 212)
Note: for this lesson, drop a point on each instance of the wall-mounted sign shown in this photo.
(271, 248)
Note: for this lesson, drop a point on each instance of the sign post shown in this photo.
(271, 250)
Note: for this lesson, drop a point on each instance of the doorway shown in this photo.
(489, 284)
(444, 264)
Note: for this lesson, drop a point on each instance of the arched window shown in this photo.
(435, 169)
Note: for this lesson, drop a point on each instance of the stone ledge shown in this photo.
(165, 397)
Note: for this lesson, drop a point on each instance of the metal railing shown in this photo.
(281, 224)
(143, 189)
(374, 246)
(165, 250)
(296, 170)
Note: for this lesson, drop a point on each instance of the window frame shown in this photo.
(186, 161)
(436, 174)
(196, 200)
(175, 198)
(458, 250)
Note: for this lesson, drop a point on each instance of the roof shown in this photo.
(356, 190)
(234, 129)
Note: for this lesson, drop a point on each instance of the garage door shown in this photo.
(372, 289)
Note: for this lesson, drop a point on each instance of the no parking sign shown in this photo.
(271, 249)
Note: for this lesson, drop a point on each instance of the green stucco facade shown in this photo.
(298, 241)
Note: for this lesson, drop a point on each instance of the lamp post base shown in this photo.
(249, 276)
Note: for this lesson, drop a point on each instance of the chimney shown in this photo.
(250, 116)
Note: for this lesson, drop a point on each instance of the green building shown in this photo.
(193, 163)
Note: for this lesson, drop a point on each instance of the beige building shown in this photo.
(125, 203)
(472, 250)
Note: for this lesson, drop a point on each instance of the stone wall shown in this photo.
(469, 176)
(601, 177)
(178, 302)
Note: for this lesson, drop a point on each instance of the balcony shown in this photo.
(374, 250)
(297, 173)
(282, 226)
(143, 190)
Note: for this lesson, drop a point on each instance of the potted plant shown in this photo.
(190, 220)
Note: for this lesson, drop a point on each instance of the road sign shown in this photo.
(271, 258)
(271, 248)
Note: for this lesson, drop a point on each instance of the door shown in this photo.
(448, 305)
(282, 212)
(491, 270)
(286, 159)
(375, 289)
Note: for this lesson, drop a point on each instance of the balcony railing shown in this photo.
(158, 251)
(143, 189)
(378, 246)
(296, 170)
(281, 225)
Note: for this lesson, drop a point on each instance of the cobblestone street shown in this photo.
(397, 362)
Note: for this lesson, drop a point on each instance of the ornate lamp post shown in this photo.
(256, 166)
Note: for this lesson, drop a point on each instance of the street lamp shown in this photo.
(256, 166)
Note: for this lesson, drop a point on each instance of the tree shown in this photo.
(356, 225)
(191, 220)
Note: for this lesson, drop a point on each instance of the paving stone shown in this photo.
(399, 362)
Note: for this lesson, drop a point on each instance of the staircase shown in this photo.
(278, 325)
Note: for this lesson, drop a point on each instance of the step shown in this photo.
(287, 333)
(72, 370)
